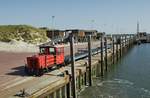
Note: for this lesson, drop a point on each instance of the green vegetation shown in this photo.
(24, 33)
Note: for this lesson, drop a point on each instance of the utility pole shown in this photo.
(138, 30)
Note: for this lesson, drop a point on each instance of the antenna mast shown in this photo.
(137, 26)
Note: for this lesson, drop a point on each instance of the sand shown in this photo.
(18, 46)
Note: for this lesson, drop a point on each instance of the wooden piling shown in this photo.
(125, 41)
(117, 47)
(122, 43)
(58, 93)
(113, 50)
(106, 63)
(98, 69)
(120, 46)
(79, 83)
(63, 92)
(79, 80)
(101, 55)
(85, 78)
(73, 82)
(130, 41)
(68, 86)
(52, 95)
(82, 81)
(89, 60)
(68, 90)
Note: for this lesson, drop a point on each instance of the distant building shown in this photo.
(99, 34)
(53, 34)
(141, 34)
(81, 35)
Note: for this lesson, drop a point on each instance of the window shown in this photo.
(52, 51)
(42, 50)
(59, 51)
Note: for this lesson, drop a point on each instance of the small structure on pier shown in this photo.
(141, 37)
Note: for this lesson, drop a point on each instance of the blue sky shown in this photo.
(111, 16)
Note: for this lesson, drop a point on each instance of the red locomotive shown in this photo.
(48, 57)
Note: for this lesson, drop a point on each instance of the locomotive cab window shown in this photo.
(42, 50)
(52, 51)
(60, 51)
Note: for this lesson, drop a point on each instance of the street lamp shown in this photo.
(53, 27)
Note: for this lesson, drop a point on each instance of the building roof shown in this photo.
(82, 30)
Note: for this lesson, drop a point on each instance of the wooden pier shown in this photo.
(61, 83)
